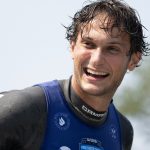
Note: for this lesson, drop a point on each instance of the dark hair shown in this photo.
(123, 17)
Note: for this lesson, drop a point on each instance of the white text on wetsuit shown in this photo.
(91, 112)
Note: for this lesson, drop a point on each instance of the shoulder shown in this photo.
(19, 100)
(126, 131)
(22, 116)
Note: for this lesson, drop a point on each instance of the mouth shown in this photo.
(95, 74)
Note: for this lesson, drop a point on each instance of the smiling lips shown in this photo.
(95, 74)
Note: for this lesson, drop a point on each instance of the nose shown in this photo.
(97, 58)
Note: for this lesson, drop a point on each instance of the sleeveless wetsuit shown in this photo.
(64, 129)
(25, 117)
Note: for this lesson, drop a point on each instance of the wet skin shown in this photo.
(100, 63)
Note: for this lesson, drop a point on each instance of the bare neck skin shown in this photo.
(99, 103)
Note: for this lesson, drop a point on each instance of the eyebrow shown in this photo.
(87, 38)
(116, 42)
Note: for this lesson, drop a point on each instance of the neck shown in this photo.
(97, 102)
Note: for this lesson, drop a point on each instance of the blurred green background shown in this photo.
(133, 99)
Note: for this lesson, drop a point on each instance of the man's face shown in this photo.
(100, 61)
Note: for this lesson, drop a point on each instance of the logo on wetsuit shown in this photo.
(62, 121)
(90, 144)
(87, 110)
(64, 148)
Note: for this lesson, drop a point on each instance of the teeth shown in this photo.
(96, 73)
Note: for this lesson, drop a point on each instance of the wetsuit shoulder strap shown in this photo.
(126, 132)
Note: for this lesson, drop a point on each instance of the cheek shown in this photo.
(81, 56)
(119, 66)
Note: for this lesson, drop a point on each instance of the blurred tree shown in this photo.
(134, 100)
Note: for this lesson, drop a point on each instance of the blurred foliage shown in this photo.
(134, 99)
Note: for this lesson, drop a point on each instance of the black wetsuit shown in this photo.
(23, 115)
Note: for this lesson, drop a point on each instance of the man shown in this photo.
(106, 39)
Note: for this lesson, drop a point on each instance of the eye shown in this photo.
(113, 50)
(89, 45)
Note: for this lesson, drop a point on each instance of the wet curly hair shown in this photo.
(123, 16)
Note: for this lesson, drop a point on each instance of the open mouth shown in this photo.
(95, 74)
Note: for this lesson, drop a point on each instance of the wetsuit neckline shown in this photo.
(79, 107)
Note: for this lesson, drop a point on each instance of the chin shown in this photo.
(91, 89)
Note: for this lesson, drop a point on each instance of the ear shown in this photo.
(72, 47)
(134, 60)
